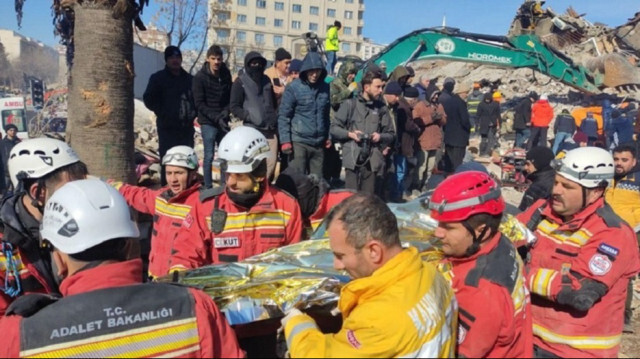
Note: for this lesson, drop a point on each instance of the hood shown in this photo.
(488, 96)
(606, 104)
(312, 61)
(346, 68)
(398, 73)
(254, 55)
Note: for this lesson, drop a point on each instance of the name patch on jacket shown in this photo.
(608, 250)
(226, 242)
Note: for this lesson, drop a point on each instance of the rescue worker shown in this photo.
(168, 205)
(245, 217)
(314, 195)
(579, 267)
(480, 262)
(395, 306)
(37, 167)
(473, 100)
(105, 311)
(623, 195)
(541, 116)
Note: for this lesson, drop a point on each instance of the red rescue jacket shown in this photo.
(330, 199)
(274, 221)
(594, 245)
(494, 304)
(215, 337)
(168, 213)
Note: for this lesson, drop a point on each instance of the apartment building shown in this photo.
(369, 48)
(241, 26)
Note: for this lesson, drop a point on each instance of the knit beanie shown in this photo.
(282, 54)
(171, 51)
(540, 156)
(411, 92)
(393, 88)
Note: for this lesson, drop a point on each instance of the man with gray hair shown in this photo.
(418, 305)
(425, 86)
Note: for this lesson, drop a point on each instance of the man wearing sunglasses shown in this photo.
(168, 205)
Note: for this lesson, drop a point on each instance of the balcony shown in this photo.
(218, 6)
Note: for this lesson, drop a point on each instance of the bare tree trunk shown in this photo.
(101, 108)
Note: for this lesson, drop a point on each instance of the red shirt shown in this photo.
(216, 337)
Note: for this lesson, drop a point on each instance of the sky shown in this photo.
(385, 20)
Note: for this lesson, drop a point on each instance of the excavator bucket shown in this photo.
(618, 72)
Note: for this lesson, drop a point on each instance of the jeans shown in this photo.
(559, 140)
(332, 58)
(209, 138)
(400, 164)
(521, 137)
(307, 159)
(488, 142)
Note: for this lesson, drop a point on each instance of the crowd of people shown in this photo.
(72, 270)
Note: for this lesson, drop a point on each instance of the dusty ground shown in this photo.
(631, 342)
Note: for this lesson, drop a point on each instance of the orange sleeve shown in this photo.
(217, 339)
(140, 198)
(191, 247)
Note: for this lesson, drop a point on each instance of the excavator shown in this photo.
(519, 51)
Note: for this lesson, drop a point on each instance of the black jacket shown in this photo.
(541, 184)
(488, 114)
(5, 149)
(522, 117)
(170, 97)
(211, 95)
(259, 110)
(564, 123)
(458, 127)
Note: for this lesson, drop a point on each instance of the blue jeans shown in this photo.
(559, 140)
(400, 163)
(209, 138)
(332, 58)
(521, 137)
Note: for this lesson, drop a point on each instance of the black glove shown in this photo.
(223, 121)
(29, 304)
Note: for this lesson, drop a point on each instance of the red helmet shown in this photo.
(464, 194)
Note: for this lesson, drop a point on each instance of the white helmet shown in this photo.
(181, 156)
(84, 213)
(591, 167)
(243, 149)
(38, 157)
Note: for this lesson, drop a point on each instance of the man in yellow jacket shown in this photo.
(331, 46)
(395, 306)
(623, 195)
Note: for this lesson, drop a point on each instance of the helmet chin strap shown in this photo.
(475, 246)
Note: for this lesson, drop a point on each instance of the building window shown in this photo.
(314, 10)
(222, 34)
(242, 2)
(277, 40)
(331, 12)
(279, 6)
(313, 26)
(296, 24)
(259, 39)
(241, 36)
(346, 47)
(349, 1)
(359, 30)
(297, 8)
(360, 15)
(278, 23)
(347, 30)
(348, 14)
(261, 4)
(241, 19)
(223, 16)
(261, 21)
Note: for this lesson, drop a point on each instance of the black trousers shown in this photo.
(307, 159)
(361, 179)
(538, 137)
(332, 163)
(453, 156)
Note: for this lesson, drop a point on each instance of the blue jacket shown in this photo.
(624, 128)
(303, 115)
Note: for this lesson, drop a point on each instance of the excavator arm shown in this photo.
(522, 51)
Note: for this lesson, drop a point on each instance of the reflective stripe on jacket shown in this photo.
(404, 309)
(594, 245)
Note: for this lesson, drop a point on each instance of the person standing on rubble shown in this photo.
(211, 92)
(541, 175)
(415, 305)
(541, 116)
(105, 310)
(458, 127)
(245, 217)
(563, 129)
(168, 205)
(480, 262)
(579, 266)
(6, 145)
(169, 95)
(37, 168)
(623, 195)
(430, 117)
(473, 101)
(522, 119)
(332, 46)
(489, 123)
(589, 126)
